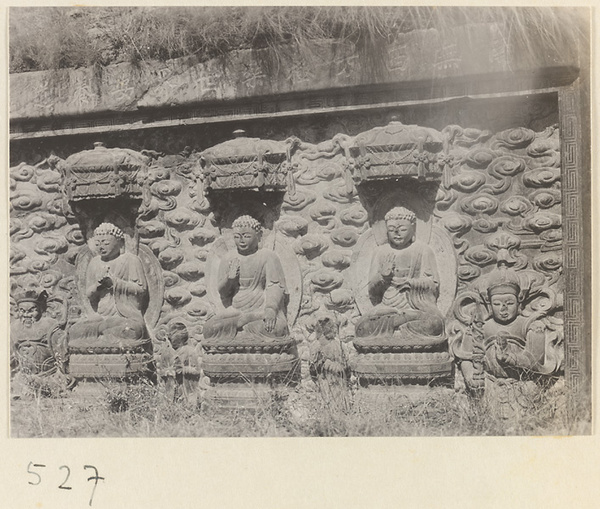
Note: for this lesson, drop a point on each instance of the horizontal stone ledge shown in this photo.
(326, 64)
(273, 109)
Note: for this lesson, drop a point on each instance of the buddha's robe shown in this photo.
(260, 286)
(407, 302)
(117, 318)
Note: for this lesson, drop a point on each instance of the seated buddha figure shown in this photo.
(403, 286)
(35, 340)
(117, 290)
(513, 343)
(252, 287)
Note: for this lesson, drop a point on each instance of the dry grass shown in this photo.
(310, 410)
(104, 35)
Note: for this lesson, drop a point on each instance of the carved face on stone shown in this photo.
(400, 232)
(505, 307)
(109, 246)
(246, 239)
(29, 312)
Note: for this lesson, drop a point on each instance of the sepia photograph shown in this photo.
(299, 221)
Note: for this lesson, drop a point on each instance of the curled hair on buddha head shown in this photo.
(247, 222)
(109, 229)
(401, 213)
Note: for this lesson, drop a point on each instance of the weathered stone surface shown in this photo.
(418, 55)
(494, 198)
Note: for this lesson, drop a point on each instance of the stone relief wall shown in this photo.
(489, 205)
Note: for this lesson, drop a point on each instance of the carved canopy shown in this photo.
(397, 150)
(246, 163)
(104, 173)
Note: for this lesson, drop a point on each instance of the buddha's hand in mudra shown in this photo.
(105, 282)
(387, 267)
(269, 319)
(234, 269)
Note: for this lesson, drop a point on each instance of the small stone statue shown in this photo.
(512, 341)
(252, 287)
(403, 286)
(327, 354)
(36, 340)
(117, 290)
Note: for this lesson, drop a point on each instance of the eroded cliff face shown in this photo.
(412, 57)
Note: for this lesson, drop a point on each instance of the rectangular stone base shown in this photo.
(381, 396)
(404, 368)
(239, 396)
(110, 366)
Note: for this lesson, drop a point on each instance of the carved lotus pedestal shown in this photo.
(390, 366)
(245, 372)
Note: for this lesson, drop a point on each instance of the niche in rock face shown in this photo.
(227, 205)
(378, 197)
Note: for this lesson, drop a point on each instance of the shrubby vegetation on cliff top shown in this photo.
(44, 38)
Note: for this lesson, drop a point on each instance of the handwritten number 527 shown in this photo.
(63, 486)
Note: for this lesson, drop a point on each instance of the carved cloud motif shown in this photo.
(311, 246)
(191, 271)
(325, 280)
(354, 216)
(298, 200)
(337, 259)
(480, 255)
(543, 221)
(183, 218)
(170, 257)
(22, 173)
(292, 226)
(546, 198)
(479, 158)
(26, 200)
(177, 296)
(541, 177)
(506, 166)
(516, 206)
(202, 236)
(468, 182)
(345, 236)
(468, 272)
(516, 138)
(481, 204)
(49, 181)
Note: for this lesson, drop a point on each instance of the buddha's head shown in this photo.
(30, 306)
(504, 302)
(401, 225)
(109, 241)
(247, 232)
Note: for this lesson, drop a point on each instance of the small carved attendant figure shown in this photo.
(185, 362)
(252, 287)
(512, 341)
(34, 338)
(117, 290)
(403, 286)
